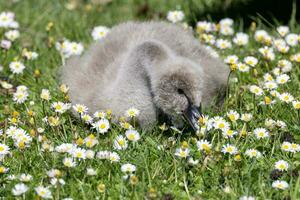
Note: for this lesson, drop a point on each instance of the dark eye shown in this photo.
(180, 91)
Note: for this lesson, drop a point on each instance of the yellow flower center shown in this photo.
(102, 126)
(2, 170)
(280, 185)
(229, 149)
(221, 125)
(58, 107)
(261, 134)
(285, 147)
(232, 117)
(281, 166)
(205, 147)
(294, 146)
(79, 154)
(121, 142)
(182, 154)
(230, 132)
(89, 143)
(131, 137)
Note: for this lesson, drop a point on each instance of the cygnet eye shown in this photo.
(180, 91)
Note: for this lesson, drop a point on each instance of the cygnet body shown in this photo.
(151, 66)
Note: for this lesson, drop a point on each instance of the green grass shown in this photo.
(160, 173)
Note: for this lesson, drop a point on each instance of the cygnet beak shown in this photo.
(192, 115)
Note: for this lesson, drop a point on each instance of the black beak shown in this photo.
(192, 115)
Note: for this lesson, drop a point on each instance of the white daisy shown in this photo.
(242, 67)
(175, 16)
(281, 165)
(267, 52)
(233, 115)
(114, 157)
(286, 146)
(100, 114)
(226, 30)
(205, 26)
(128, 168)
(16, 67)
(232, 59)
(59, 107)
(132, 135)
(4, 149)
(19, 189)
(132, 112)
(282, 185)
(203, 145)
(91, 172)
(220, 123)
(261, 35)
(90, 154)
(261, 133)
(230, 149)
(103, 154)
(228, 133)
(282, 79)
(295, 148)
(90, 141)
(241, 39)
(226, 22)
(25, 177)
(100, 32)
(45, 95)
(256, 90)
(87, 118)
(253, 153)
(270, 85)
(43, 192)
(183, 153)
(80, 108)
(286, 97)
(246, 117)
(223, 44)
(5, 44)
(7, 20)
(247, 198)
(292, 39)
(283, 30)
(101, 126)
(120, 143)
(78, 153)
(30, 55)
(296, 105)
(285, 65)
(20, 96)
(69, 162)
(268, 77)
(12, 35)
(250, 60)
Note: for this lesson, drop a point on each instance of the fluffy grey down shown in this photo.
(152, 66)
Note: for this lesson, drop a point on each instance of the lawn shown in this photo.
(247, 148)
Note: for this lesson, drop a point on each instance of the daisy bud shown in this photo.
(101, 188)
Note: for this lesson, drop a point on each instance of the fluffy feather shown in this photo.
(147, 66)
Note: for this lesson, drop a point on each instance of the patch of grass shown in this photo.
(160, 174)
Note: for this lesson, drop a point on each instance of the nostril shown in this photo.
(180, 91)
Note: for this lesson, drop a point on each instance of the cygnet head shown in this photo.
(178, 91)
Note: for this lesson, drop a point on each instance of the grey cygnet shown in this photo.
(151, 66)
